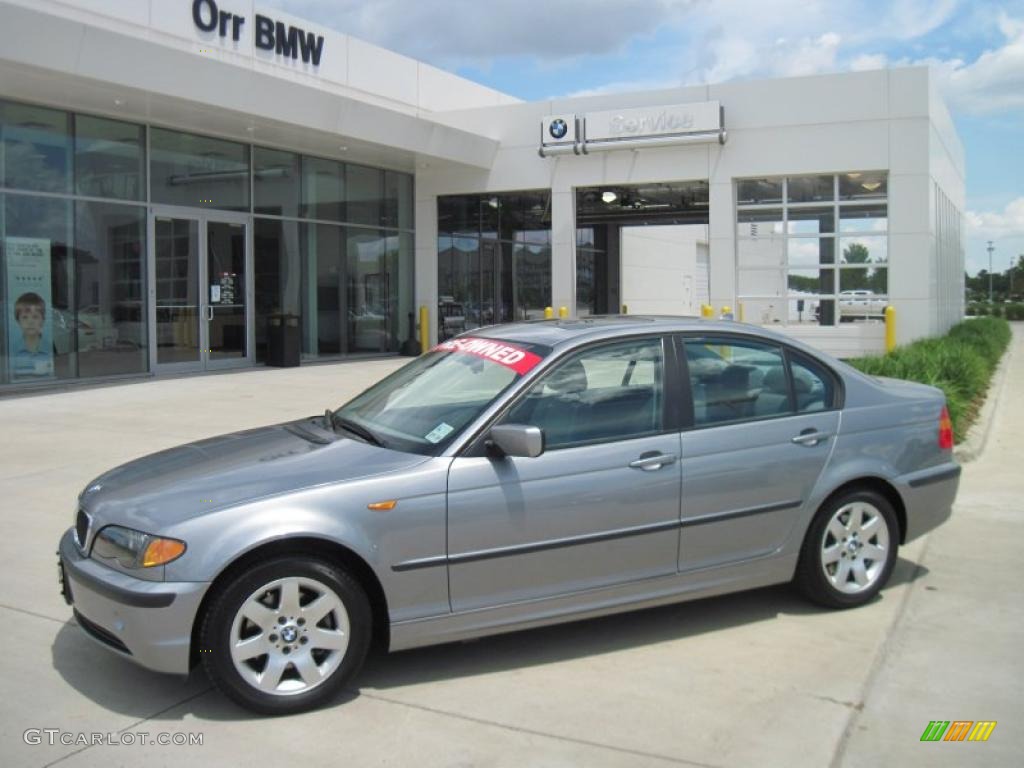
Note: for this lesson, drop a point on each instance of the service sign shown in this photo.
(518, 359)
(646, 122)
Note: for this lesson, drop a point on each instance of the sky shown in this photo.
(538, 49)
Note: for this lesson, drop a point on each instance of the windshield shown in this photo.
(422, 407)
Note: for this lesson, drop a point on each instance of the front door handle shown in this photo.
(811, 437)
(653, 461)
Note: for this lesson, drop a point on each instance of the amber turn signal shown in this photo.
(162, 551)
(382, 506)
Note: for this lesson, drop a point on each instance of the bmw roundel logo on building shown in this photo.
(558, 128)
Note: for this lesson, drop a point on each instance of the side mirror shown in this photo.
(518, 440)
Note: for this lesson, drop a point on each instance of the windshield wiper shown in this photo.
(335, 421)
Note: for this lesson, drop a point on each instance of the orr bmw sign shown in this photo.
(285, 40)
(697, 123)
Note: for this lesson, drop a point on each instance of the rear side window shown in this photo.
(736, 380)
(814, 387)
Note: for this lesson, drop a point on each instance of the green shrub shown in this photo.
(961, 364)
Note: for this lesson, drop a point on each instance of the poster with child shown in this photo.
(30, 318)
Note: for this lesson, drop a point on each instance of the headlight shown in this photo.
(134, 549)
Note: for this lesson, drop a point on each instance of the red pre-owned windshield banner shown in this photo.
(509, 355)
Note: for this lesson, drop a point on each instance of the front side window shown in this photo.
(736, 380)
(611, 392)
(425, 405)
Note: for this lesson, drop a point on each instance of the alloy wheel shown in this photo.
(854, 547)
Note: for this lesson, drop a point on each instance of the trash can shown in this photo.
(284, 341)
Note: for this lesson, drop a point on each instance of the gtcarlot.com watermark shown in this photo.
(55, 736)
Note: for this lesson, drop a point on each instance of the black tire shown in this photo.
(216, 635)
(820, 586)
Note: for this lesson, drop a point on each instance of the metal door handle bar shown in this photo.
(651, 463)
(811, 438)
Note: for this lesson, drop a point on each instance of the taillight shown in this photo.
(945, 430)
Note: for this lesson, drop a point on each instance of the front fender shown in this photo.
(414, 529)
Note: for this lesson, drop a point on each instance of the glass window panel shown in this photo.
(490, 215)
(323, 264)
(812, 221)
(762, 252)
(863, 186)
(810, 251)
(759, 223)
(111, 319)
(368, 291)
(811, 282)
(866, 284)
(398, 202)
(811, 310)
(811, 189)
(199, 171)
(755, 191)
(364, 195)
(864, 250)
(761, 282)
(110, 158)
(277, 274)
(533, 281)
(323, 189)
(863, 218)
(764, 311)
(585, 237)
(36, 144)
(734, 381)
(402, 299)
(39, 271)
(275, 183)
(458, 215)
(458, 283)
(610, 392)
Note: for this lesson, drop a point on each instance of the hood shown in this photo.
(199, 478)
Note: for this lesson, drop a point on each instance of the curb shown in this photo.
(977, 436)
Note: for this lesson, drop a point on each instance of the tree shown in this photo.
(856, 253)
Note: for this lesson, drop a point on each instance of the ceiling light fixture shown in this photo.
(609, 197)
(871, 186)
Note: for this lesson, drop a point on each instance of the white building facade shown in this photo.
(180, 177)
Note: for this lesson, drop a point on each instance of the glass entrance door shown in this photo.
(200, 289)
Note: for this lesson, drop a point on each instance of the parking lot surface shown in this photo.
(758, 678)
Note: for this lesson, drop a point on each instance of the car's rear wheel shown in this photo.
(286, 635)
(849, 551)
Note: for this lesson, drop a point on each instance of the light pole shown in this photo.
(990, 250)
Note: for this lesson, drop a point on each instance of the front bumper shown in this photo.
(929, 496)
(149, 622)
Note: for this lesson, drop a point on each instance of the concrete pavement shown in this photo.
(756, 678)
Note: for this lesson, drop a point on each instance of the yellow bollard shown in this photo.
(563, 312)
(726, 312)
(706, 310)
(739, 306)
(424, 329)
(548, 313)
(625, 309)
(890, 329)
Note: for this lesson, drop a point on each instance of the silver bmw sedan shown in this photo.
(522, 475)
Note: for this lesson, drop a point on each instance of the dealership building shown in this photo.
(179, 178)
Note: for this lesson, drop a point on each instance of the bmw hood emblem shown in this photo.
(558, 128)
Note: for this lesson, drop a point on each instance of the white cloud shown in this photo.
(456, 32)
(868, 61)
(995, 224)
(995, 81)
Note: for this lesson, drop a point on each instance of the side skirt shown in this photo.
(648, 593)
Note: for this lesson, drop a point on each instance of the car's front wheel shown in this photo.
(286, 635)
(849, 551)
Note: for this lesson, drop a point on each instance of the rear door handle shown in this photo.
(650, 462)
(811, 437)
